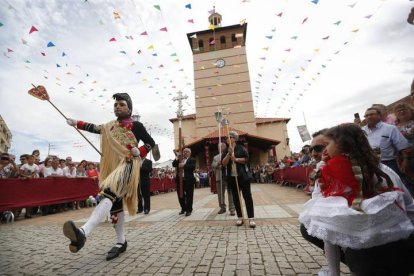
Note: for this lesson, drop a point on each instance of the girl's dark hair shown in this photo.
(353, 142)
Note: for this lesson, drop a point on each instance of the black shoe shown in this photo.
(76, 236)
(115, 251)
(146, 212)
(182, 212)
(187, 214)
(139, 211)
(221, 211)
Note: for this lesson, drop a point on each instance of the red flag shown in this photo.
(163, 29)
(33, 29)
(112, 39)
(144, 33)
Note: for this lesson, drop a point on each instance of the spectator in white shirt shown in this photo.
(29, 169)
(54, 170)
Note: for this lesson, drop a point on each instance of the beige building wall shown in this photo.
(227, 87)
(276, 131)
(5, 136)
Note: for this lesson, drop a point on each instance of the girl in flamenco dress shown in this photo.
(359, 206)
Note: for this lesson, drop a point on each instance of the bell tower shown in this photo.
(221, 76)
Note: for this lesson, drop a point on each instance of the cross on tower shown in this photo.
(180, 98)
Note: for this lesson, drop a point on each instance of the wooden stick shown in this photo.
(180, 160)
(73, 126)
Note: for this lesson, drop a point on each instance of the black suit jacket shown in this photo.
(144, 174)
(189, 168)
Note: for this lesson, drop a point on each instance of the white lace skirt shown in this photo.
(382, 220)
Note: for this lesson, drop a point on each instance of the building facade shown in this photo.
(222, 83)
(5, 136)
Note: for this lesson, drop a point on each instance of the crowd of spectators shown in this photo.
(30, 166)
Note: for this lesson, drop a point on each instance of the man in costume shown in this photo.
(119, 175)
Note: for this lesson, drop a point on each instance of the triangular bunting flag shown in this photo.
(157, 7)
(9, 50)
(24, 41)
(188, 6)
(116, 15)
(190, 21)
(337, 23)
(164, 29)
(144, 33)
(194, 36)
(150, 47)
(355, 31)
(63, 54)
(112, 39)
(280, 14)
(57, 65)
(304, 20)
(326, 37)
(33, 29)
(123, 52)
(43, 54)
(50, 44)
(315, 1)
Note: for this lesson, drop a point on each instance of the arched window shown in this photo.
(223, 39)
(215, 21)
(200, 44)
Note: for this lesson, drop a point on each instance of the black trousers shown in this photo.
(186, 202)
(389, 259)
(144, 195)
(244, 187)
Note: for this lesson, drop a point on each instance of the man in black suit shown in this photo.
(144, 186)
(188, 164)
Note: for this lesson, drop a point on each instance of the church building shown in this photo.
(222, 84)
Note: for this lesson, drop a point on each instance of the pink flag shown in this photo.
(304, 20)
(43, 54)
(190, 21)
(112, 39)
(163, 29)
(9, 50)
(212, 42)
(280, 14)
(144, 33)
(33, 29)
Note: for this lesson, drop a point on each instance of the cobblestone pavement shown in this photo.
(165, 243)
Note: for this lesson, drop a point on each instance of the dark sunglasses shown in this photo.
(317, 148)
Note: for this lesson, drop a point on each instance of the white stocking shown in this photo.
(333, 257)
(119, 228)
(98, 215)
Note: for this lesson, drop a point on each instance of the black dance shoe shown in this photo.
(76, 236)
(182, 212)
(115, 251)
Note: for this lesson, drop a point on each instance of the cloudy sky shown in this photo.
(317, 62)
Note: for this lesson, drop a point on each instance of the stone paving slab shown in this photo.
(165, 243)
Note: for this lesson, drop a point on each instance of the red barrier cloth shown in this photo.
(298, 175)
(169, 184)
(21, 193)
(156, 185)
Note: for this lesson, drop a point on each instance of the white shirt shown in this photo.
(30, 169)
(51, 171)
